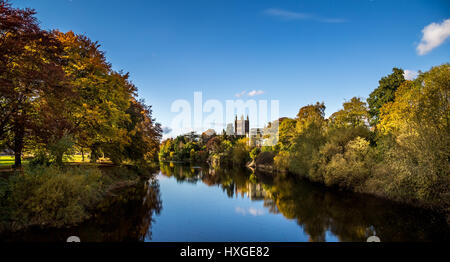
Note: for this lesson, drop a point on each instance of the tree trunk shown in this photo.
(18, 144)
(17, 159)
(94, 153)
(82, 155)
(59, 159)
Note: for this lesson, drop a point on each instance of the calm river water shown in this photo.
(186, 203)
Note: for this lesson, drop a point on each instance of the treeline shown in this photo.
(59, 95)
(397, 145)
(218, 151)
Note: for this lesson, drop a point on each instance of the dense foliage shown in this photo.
(397, 147)
(219, 151)
(50, 196)
(58, 94)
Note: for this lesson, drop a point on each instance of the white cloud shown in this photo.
(251, 211)
(166, 130)
(251, 93)
(433, 36)
(289, 15)
(240, 210)
(241, 94)
(410, 74)
(286, 14)
(255, 92)
(255, 211)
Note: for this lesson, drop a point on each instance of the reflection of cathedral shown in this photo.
(255, 191)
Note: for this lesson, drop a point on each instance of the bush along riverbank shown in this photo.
(60, 196)
(395, 146)
(219, 151)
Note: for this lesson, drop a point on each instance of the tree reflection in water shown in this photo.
(125, 215)
(318, 210)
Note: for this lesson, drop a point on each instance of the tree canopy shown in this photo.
(385, 93)
(59, 86)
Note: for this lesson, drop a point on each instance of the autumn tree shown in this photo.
(30, 71)
(385, 93)
(309, 137)
(144, 136)
(286, 131)
(353, 114)
(99, 114)
(418, 123)
(343, 159)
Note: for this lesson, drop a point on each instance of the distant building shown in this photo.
(241, 127)
(209, 133)
(230, 130)
(255, 137)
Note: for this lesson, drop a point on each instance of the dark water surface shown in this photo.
(197, 204)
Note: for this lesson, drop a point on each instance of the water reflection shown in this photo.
(126, 215)
(318, 211)
(201, 204)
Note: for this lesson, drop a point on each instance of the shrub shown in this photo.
(349, 169)
(281, 161)
(265, 158)
(239, 154)
(52, 196)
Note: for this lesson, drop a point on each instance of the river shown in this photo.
(189, 203)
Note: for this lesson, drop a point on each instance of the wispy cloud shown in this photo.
(410, 74)
(251, 93)
(241, 94)
(290, 15)
(433, 36)
(166, 130)
(286, 14)
(255, 93)
(251, 211)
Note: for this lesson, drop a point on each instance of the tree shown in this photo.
(385, 93)
(240, 152)
(354, 114)
(99, 114)
(30, 66)
(418, 123)
(144, 136)
(144, 131)
(309, 137)
(286, 132)
(165, 149)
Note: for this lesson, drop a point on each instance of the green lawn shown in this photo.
(6, 161)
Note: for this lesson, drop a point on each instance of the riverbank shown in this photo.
(265, 164)
(54, 197)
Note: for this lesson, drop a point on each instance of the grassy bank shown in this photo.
(52, 196)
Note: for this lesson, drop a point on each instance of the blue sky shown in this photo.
(298, 52)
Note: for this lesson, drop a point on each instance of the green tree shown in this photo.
(286, 132)
(104, 96)
(144, 136)
(385, 93)
(309, 138)
(345, 126)
(417, 121)
(354, 114)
